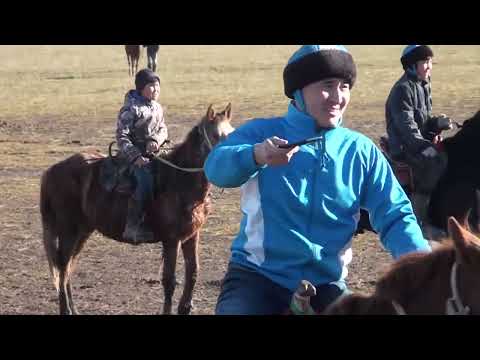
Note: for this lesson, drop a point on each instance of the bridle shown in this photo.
(203, 131)
(454, 304)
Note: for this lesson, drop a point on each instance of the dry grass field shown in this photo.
(59, 100)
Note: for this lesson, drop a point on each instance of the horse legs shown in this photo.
(170, 254)
(129, 66)
(62, 294)
(155, 56)
(136, 65)
(69, 285)
(70, 299)
(190, 254)
(154, 63)
(68, 249)
(149, 62)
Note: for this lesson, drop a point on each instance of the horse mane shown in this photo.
(410, 273)
(186, 154)
(93, 156)
(475, 120)
(470, 131)
(461, 149)
(181, 152)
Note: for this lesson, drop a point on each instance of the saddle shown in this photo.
(402, 170)
(116, 174)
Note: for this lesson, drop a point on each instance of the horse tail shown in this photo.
(50, 234)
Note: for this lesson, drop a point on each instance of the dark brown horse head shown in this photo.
(461, 144)
(217, 125)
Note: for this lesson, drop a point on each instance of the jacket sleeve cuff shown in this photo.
(247, 160)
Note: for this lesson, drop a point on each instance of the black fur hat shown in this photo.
(413, 53)
(144, 77)
(313, 63)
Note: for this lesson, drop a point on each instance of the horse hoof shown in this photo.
(67, 313)
(185, 310)
(167, 311)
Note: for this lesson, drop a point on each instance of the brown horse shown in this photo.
(152, 51)
(73, 204)
(133, 55)
(442, 282)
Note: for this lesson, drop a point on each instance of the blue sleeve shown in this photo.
(231, 163)
(391, 213)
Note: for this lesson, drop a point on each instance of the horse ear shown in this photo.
(462, 238)
(228, 111)
(210, 113)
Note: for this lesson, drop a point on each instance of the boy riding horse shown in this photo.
(141, 130)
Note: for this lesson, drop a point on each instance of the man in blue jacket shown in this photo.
(301, 204)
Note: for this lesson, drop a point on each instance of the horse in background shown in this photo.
(152, 51)
(133, 55)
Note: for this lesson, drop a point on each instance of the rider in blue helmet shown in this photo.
(301, 203)
(409, 126)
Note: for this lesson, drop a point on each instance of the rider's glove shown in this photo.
(441, 123)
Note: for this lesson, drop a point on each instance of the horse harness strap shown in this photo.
(192, 170)
(454, 304)
(398, 308)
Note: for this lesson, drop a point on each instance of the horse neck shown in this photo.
(461, 146)
(190, 154)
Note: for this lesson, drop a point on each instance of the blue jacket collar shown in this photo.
(303, 124)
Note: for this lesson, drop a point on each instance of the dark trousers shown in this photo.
(144, 184)
(246, 292)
